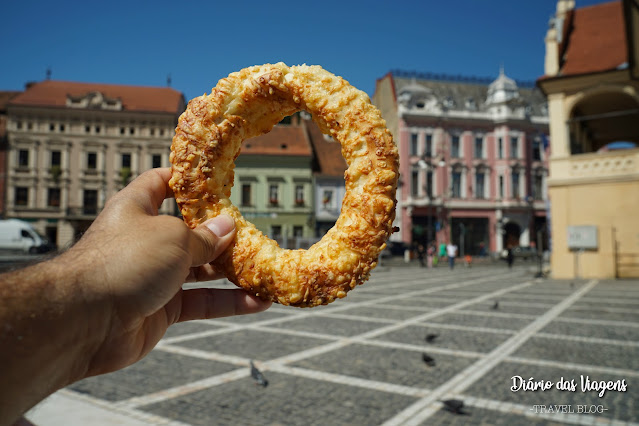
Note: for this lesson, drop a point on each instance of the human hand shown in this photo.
(138, 261)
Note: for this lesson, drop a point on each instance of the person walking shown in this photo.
(430, 254)
(451, 251)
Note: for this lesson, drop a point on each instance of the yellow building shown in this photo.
(592, 84)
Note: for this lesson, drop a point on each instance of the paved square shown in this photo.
(359, 361)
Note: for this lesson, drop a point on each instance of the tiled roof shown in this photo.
(5, 97)
(53, 93)
(281, 140)
(328, 152)
(596, 40)
(459, 92)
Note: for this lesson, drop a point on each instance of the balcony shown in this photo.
(612, 166)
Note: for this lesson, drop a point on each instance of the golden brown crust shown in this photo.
(249, 103)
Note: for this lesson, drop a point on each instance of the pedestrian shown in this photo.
(510, 257)
(420, 254)
(430, 254)
(105, 303)
(451, 251)
(442, 250)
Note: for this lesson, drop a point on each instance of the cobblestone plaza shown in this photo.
(359, 361)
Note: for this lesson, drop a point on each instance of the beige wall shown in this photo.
(613, 207)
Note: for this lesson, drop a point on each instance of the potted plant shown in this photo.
(125, 174)
(56, 172)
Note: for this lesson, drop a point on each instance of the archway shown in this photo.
(601, 118)
(512, 232)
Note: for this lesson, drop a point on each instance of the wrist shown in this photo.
(52, 326)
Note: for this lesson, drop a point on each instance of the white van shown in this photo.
(19, 236)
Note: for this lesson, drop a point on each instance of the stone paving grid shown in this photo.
(359, 360)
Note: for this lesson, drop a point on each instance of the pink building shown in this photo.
(473, 160)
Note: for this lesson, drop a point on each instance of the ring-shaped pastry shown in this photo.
(249, 103)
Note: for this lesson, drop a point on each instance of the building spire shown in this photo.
(168, 81)
(48, 73)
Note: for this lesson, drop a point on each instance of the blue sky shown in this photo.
(197, 43)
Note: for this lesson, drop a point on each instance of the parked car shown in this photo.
(524, 253)
(394, 248)
(19, 237)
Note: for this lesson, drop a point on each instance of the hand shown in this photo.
(107, 301)
(140, 261)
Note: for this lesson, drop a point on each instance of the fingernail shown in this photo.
(221, 225)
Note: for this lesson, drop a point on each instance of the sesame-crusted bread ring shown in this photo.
(249, 103)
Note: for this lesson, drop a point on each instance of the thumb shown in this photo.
(210, 239)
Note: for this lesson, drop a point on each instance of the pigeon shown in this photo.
(455, 406)
(429, 360)
(496, 305)
(430, 337)
(258, 376)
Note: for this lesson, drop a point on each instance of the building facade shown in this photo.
(592, 84)
(473, 160)
(73, 145)
(5, 97)
(329, 167)
(273, 185)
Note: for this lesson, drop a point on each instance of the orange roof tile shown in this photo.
(53, 93)
(328, 153)
(281, 140)
(596, 40)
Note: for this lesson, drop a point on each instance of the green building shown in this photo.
(273, 185)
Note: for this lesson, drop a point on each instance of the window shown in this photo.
(87, 129)
(51, 127)
(23, 158)
(328, 199)
(273, 194)
(536, 150)
(479, 185)
(538, 189)
(479, 147)
(429, 184)
(454, 147)
(61, 127)
(429, 145)
(22, 196)
(90, 201)
(152, 132)
(156, 161)
(299, 194)
(19, 125)
(132, 130)
(515, 184)
(53, 197)
(92, 160)
(501, 187)
(456, 184)
(56, 158)
(500, 148)
(97, 129)
(276, 231)
(298, 231)
(413, 144)
(246, 194)
(414, 183)
(122, 130)
(514, 147)
(126, 161)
